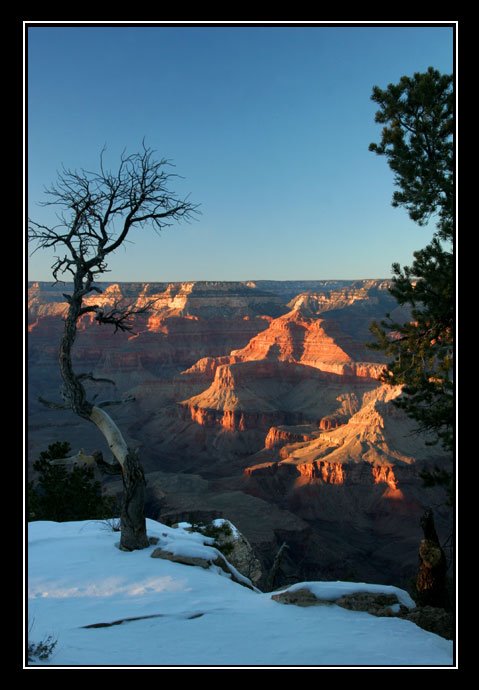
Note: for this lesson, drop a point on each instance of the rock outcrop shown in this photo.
(279, 436)
(303, 339)
(239, 551)
(432, 619)
(376, 604)
(214, 559)
(361, 477)
(259, 394)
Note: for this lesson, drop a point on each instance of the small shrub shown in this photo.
(221, 534)
(63, 494)
(112, 524)
(41, 651)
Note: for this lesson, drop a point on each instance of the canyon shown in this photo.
(259, 402)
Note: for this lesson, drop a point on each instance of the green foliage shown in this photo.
(439, 477)
(423, 347)
(62, 494)
(222, 535)
(41, 651)
(417, 140)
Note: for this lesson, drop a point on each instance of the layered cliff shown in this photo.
(263, 393)
(298, 338)
(279, 436)
(204, 299)
(368, 293)
(375, 446)
(184, 323)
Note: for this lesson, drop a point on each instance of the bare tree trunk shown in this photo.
(133, 525)
(111, 432)
(98, 211)
(431, 578)
(275, 567)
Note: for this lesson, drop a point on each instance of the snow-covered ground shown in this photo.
(78, 578)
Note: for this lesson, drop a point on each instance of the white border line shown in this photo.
(139, 23)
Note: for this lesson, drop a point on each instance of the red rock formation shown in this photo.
(317, 472)
(322, 470)
(385, 474)
(315, 342)
(279, 436)
(369, 291)
(205, 368)
(330, 422)
(294, 338)
(231, 420)
(264, 393)
(372, 449)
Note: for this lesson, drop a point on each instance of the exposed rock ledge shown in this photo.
(395, 602)
(377, 604)
(216, 558)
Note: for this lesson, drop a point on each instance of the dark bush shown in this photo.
(63, 494)
(41, 651)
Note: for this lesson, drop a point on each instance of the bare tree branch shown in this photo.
(119, 316)
(109, 403)
(97, 212)
(90, 377)
(53, 405)
(106, 467)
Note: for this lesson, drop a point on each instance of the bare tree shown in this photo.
(97, 211)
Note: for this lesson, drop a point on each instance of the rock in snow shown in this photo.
(109, 607)
(378, 600)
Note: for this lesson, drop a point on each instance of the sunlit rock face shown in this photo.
(258, 402)
(279, 436)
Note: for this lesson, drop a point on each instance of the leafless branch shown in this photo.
(99, 209)
(109, 403)
(53, 405)
(96, 213)
(119, 316)
(90, 377)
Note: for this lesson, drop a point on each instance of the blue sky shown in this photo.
(269, 126)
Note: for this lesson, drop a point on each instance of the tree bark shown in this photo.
(431, 577)
(111, 432)
(132, 522)
(133, 525)
(275, 567)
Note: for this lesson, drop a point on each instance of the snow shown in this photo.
(334, 590)
(78, 578)
(219, 522)
(182, 542)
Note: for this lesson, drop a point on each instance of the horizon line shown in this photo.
(192, 280)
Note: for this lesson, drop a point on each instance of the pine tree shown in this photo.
(418, 143)
(61, 494)
(417, 140)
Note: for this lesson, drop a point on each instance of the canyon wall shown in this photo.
(258, 401)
